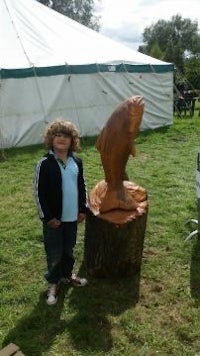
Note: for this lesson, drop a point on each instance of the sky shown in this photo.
(125, 20)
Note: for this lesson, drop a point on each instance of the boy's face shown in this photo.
(62, 142)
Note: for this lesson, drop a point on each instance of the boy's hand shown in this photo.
(54, 223)
(81, 217)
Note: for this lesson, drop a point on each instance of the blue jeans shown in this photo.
(59, 244)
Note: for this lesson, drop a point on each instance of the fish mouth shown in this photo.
(137, 100)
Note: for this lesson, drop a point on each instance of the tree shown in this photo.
(175, 54)
(192, 71)
(156, 51)
(78, 10)
(175, 38)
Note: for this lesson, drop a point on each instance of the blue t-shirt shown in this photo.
(69, 174)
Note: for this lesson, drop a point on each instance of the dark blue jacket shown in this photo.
(48, 188)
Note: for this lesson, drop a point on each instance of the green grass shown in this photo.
(103, 318)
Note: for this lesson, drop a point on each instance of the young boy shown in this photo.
(60, 195)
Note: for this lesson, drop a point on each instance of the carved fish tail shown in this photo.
(112, 201)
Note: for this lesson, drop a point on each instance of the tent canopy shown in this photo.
(35, 35)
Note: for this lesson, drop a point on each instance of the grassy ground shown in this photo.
(103, 318)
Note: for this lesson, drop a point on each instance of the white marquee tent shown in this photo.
(53, 67)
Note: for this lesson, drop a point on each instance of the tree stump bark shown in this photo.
(114, 240)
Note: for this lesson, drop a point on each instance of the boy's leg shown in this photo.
(69, 233)
(53, 243)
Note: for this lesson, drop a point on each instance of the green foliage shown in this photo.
(175, 38)
(79, 10)
(103, 319)
(156, 51)
(192, 70)
(177, 31)
(175, 54)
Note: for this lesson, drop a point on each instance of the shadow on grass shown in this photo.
(94, 306)
(97, 304)
(195, 271)
(35, 333)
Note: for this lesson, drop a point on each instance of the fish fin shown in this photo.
(125, 177)
(99, 140)
(133, 150)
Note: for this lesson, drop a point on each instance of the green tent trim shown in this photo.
(83, 69)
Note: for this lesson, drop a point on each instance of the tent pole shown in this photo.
(73, 94)
(2, 143)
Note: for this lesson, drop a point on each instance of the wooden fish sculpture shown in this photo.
(115, 143)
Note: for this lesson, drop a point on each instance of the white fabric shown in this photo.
(86, 100)
(40, 36)
(33, 35)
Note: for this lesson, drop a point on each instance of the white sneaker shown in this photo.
(77, 281)
(52, 294)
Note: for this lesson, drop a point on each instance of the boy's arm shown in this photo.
(40, 187)
(82, 190)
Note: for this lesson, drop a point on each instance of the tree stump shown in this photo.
(114, 240)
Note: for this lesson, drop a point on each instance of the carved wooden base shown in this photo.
(136, 194)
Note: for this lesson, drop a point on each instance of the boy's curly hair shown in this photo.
(64, 127)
